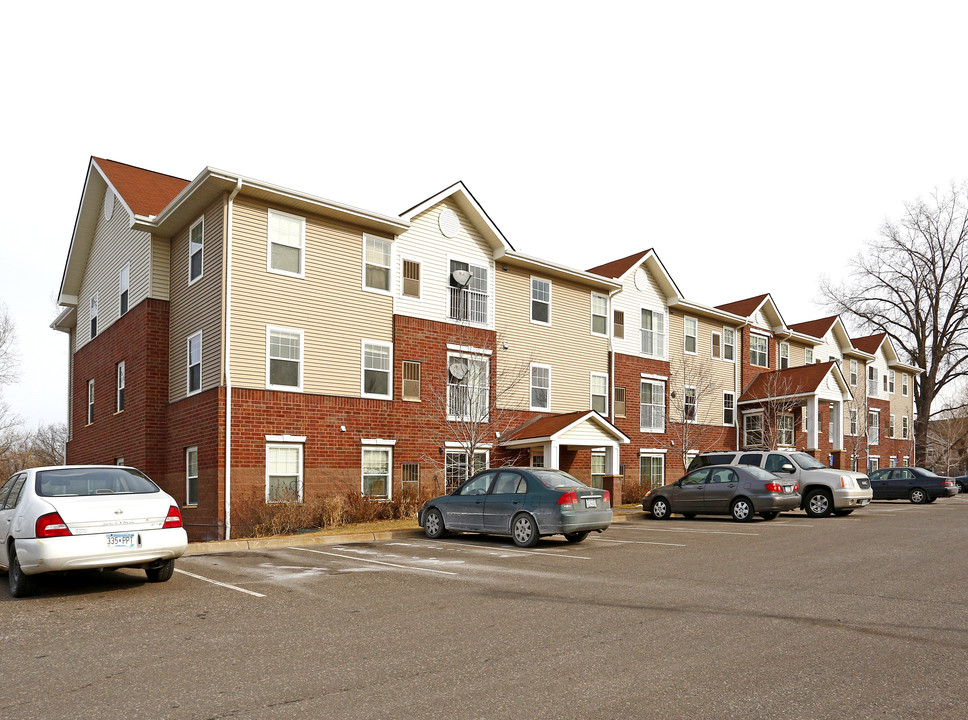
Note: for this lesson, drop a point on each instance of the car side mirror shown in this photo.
(787, 468)
(679, 483)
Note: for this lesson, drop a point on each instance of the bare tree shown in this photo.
(947, 444)
(912, 283)
(48, 444)
(695, 419)
(779, 422)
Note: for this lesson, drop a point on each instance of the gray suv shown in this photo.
(824, 490)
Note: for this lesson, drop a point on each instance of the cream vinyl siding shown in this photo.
(115, 245)
(329, 304)
(880, 362)
(631, 300)
(160, 267)
(196, 307)
(687, 369)
(759, 320)
(426, 244)
(797, 354)
(586, 433)
(901, 405)
(830, 348)
(566, 345)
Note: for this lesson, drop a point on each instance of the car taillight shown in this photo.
(174, 519)
(608, 496)
(51, 525)
(774, 487)
(568, 498)
(947, 484)
(796, 487)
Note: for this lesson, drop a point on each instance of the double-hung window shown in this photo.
(753, 430)
(196, 241)
(873, 428)
(717, 343)
(808, 356)
(540, 301)
(651, 471)
(599, 393)
(598, 470)
(689, 404)
(468, 388)
(284, 472)
(191, 475)
(785, 429)
(652, 406)
(904, 384)
(540, 387)
(729, 344)
(729, 408)
(891, 377)
(599, 314)
(194, 363)
(377, 263)
(653, 333)
(377, 464)
(93, 316)
(691, 332)
(377, 360)
(119, 403)
(287, 241)
(890, 427)
(872, 381)
(284, 358)
(758, 351)
(90, 401)
(853, 421)
(468, 301)
(458, 467)
(904, 427)
(853, 373)
(784, 356)
(124, 283)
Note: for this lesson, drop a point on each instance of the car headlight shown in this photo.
(847, 482)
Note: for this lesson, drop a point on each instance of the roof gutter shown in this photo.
(227, 345)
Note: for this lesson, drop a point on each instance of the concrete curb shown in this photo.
(225, 546)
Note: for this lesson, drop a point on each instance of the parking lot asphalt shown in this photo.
(862, 617)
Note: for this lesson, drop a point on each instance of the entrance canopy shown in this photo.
(575, 430)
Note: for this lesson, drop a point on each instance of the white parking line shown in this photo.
(638, 542)
(220, 584)
(492, 548)
(375, 562)
(685, 530)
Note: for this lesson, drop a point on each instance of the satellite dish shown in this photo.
(461, 277)
(457, 370)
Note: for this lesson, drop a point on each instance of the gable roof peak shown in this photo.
(617, 268)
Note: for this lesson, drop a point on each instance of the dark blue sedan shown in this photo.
(524, 503)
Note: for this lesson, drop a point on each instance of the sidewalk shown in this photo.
(620, 515)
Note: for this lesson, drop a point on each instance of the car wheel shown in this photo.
(963, 487)
(20, 585)
(741, 510)
(918, 496)
(162, 573)
(434, 524)
(524, 531)
(660, 509)
(769, 515)
(818, 504)
(576, 537)
(843, 513)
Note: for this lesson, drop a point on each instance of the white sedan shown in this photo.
(78, 517)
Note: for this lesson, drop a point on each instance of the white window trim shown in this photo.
(695, 397)
(391, 268)
(591, 308)
(905, 428)
(731, 345)
(892, 428)
(853, 423)
(808, 356)
(486, 265)
(655, 381)
(853, 374)
(302, 354)
(467, 349)
(302, 249)
(650, 376)
(302, 480)
(733, 395)
(664, 334)
(126, 270)
(766, 338)
(531, 368)
(780, 429)
(904, 384)
(531, 300)
(201, 265)
(119, 386)
(478, 357)
(90, 402)
(591, 390)
(783, 346)
(378, 445)
(404, 259)
(891, 381)
(877, 427)
(374, 396)
(188, 364)
(93, 315)
(189, 476)
(712, 345)
(686, 335)
(745, 431)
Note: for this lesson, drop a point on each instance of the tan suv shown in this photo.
(824, 490)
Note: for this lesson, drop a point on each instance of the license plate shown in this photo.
(121, 540)
(591, 502)
(788, 489)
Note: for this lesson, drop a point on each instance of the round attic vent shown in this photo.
(641, 279)
(449, 223)
(108, 204)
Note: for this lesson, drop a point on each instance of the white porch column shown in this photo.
(612, 459)
(551, 454)
(813, 413)
(837, 418)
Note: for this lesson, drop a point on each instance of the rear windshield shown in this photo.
(554, 479)
(80, 482)
(715, 459)
(928, 473)
(760, 473)
(806, 462)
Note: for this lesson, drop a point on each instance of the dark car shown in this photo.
(739, 491)
(524, 503)
(962, 483)
(913, 483)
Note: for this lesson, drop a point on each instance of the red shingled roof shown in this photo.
(144, 191)
(744, 308)
(617, 268)
(544, 426)
(869, 344)
(800, 380)
(815, 328)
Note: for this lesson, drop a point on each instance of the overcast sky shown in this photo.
(755, 146)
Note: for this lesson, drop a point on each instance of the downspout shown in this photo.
(737, 379)
(228, 364)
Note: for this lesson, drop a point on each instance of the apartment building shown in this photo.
(244, 343)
